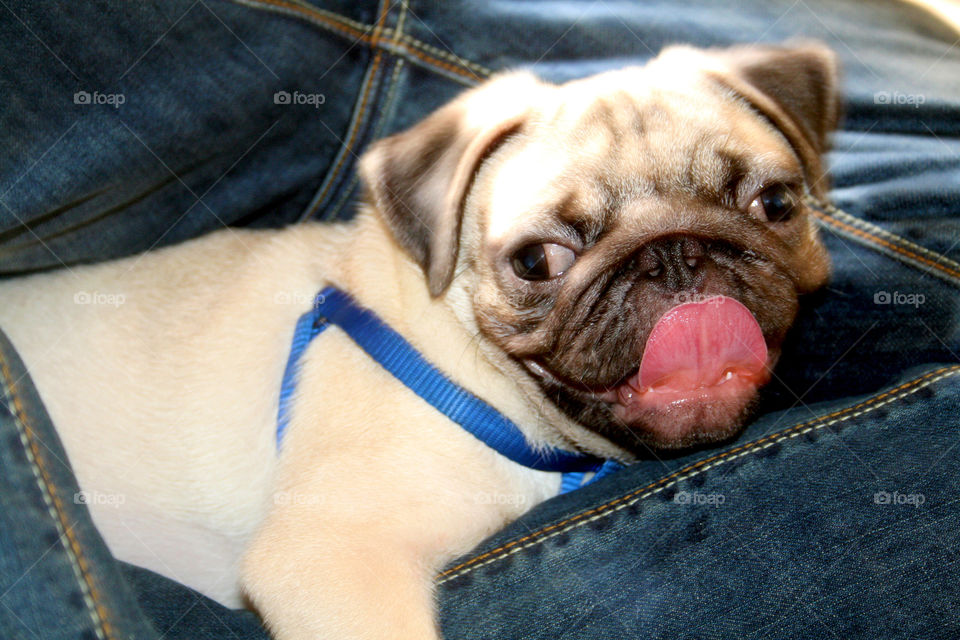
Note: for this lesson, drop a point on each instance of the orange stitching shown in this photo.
(437, 62)
(478, 69)
(881, 232)
(381, 18)
(689, 468)
(889, 245)
(21, 415)
(320, 18)
(357, 121)
(378, 128)
(372, 40)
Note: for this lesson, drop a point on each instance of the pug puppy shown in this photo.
(612, 263)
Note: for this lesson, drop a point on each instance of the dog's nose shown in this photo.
(673, 262)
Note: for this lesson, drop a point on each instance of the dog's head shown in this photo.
(637, 240)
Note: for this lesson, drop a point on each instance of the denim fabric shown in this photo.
(57, 578)
(126, 126)
(835, 514)
(841, 521)
(197, 142)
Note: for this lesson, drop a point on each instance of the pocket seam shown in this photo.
(591, 515)
(358, 120)
(333, 212)
(887, 243)
(347, 153)
(463, 70)
(81, 569)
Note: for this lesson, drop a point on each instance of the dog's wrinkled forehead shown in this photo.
(624, 137)
(690, 126)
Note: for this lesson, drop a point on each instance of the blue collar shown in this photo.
(400, 358)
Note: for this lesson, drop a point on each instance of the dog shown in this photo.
(612, 264)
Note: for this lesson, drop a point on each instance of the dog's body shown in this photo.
(167, 405)
(161, 372)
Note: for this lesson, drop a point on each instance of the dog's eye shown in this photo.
(542, 261)
(776, 203)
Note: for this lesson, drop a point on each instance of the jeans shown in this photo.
(129, 126)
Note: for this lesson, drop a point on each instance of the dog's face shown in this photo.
(636, 240)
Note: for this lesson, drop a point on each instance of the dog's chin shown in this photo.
(665, 418)
(639, 419)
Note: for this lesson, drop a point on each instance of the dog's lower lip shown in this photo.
(539, 370)
(732, 385)
(536, 368)
(672, 414)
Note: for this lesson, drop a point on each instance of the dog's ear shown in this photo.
(795, 87)
(418, 179)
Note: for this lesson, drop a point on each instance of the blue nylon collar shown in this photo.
(400, 358)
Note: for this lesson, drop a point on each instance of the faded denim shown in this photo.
(836, 513)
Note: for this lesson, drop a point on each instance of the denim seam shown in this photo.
(336, 17)
(463, 70)
(356, 123)
(887, 243)
(692, 470)
(402, 18)
(95, 607)
(357, 120)
(378, 129)
(479, 69)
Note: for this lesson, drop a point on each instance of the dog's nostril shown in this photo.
(675, 262)
(692, 250)
(672, 261)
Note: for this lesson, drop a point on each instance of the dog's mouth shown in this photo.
(702, 365)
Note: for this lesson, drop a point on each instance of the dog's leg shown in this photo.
(375, 491)
(351, 572)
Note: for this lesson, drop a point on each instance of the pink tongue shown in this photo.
(697, 343)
